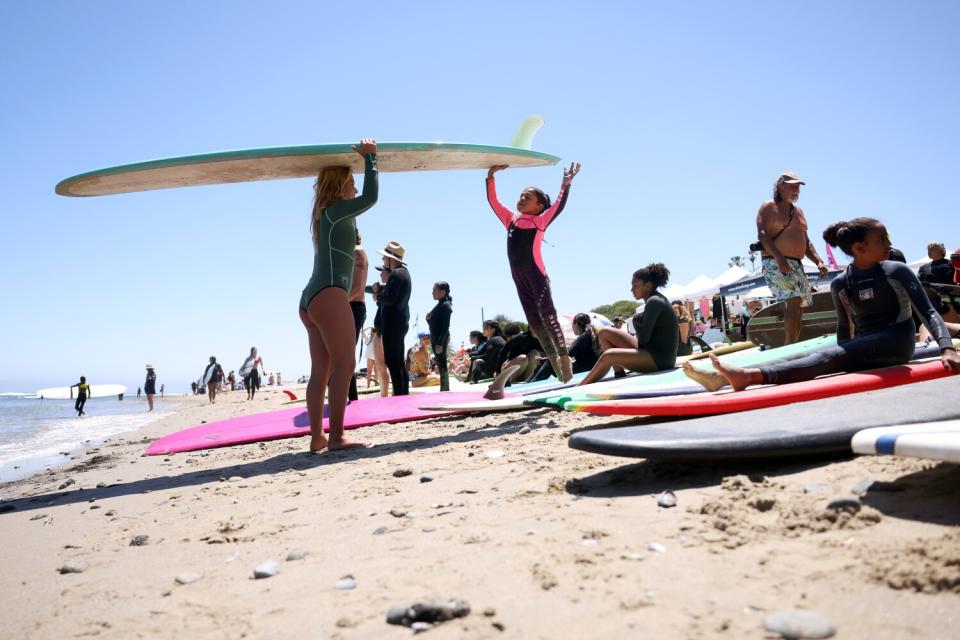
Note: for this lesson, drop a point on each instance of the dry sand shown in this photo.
(542, 541)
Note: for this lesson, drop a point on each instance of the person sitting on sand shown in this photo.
(484, 365)
(421, 365)
(876, 294)
(585, 349)
(517, 362)
(654, 348)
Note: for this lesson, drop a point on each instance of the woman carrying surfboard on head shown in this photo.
(324, 307)
(876, 296)
(525, 230)
(654, 348)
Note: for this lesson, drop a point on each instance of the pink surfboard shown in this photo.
(292, 423)
(726, 401)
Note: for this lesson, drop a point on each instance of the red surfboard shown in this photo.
(727, 401)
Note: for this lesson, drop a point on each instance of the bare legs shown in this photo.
(620, 352)
(737, 377)
(329, 324)
(792, 318)
(150, 401)
(383, 374)
(212, 391)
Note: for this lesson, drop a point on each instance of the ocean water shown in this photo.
(35, 434)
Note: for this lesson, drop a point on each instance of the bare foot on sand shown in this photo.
(736, 377)
(495, 390)
(317, 444)
(343, 443)
(710, 380)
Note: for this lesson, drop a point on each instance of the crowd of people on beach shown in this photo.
(875, 298)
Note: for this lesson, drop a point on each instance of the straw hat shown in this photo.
(393, 250)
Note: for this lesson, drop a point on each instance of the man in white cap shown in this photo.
(782, 233)
(394, 297)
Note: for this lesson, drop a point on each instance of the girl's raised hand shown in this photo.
(568, 174)
(497, 167)
(367, 145)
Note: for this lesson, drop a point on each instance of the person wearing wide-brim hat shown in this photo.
(150, 385)
(324, 305)
(394, 298)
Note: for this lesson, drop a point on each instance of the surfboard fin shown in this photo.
(523, 138)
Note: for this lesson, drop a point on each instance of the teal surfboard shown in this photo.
(600, 391)
(274, 163)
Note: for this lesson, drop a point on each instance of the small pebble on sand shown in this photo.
(667, 499)
(346, 583)
(187, 578)
(140, 541)
(656, 547)
(266, 569)
(524, 430)
(296, 554)
(74, 566)
(795, 624)
(402, 473)
(426, 478)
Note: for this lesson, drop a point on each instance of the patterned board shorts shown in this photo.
(791, 285)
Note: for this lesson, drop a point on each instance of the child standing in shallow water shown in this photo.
(525, 230)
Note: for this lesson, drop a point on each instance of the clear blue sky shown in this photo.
(681, 113)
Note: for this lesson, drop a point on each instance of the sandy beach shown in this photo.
(542, 541)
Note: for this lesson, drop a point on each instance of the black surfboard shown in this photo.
(816, 427)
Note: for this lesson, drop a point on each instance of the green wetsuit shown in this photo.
(337, 237)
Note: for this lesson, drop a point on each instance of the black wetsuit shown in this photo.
(936, 272)
(485, 365)
(82, 389)
(658, 331)
(359, 309)
(519, 345)
(395, 318)
(150, 386)
(439, 322)
(583, 354)
(879, 301)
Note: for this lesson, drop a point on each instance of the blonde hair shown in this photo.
(329, 187)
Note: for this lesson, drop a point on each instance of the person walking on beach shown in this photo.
(150, 386)
(212, 377)
(525, 230)
(782, 233)
(250, 372)
(357, 304)
(394, 298)
(324, 304)
(438, 319)
(138, 393)
(874, 294)
(83, 390)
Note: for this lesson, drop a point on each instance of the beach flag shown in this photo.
(831, 261)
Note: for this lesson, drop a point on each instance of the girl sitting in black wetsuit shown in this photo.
(876, 295)
(586, 348)
(654, 348)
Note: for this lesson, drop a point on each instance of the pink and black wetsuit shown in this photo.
(524, 239)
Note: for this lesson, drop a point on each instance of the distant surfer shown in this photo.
(83, 390)
(525, 231)
(875, 294)
(212, 377)
(438, 319)
(324, 304)
(654, 347)
(150, 386)
(357, 304)
(782, 233)
(250, 372)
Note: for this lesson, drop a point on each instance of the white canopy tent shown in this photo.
(704, 287)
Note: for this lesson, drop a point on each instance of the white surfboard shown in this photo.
(68, 393)
(933, 440)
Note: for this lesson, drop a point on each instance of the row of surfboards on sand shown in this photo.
(809, 417)
(675, 418)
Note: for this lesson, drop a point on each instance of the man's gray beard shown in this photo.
(795, 198)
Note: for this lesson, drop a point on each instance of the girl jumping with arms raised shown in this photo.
(525, 230)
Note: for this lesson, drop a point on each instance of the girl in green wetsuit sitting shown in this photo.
(655, 346)
(324, 309)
